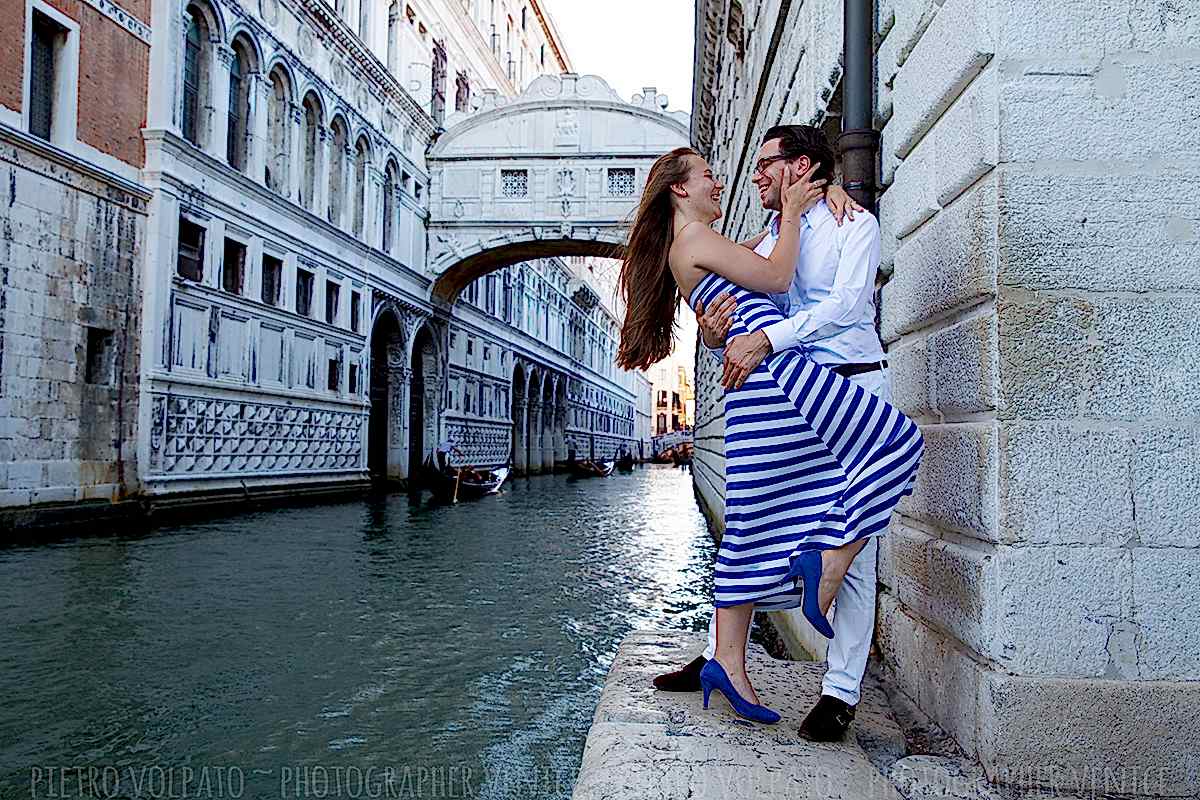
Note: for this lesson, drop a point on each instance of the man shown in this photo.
(831, 311)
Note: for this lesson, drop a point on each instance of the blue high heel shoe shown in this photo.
(713, 676)
(810, 570)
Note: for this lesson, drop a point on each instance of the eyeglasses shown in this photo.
(761, 165)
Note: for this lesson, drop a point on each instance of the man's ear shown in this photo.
(803, 164)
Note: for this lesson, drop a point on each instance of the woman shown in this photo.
(814, 463)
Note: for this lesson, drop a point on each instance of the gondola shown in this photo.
(625, 463)
(593, 469)
(452, 484)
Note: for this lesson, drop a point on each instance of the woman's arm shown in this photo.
(754, 241)
(700, 247)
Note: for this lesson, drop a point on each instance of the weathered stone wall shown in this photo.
(1042, 224)
(70, 245)
(113, 68)
(1041, 230)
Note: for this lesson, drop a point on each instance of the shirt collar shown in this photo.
(807, 217)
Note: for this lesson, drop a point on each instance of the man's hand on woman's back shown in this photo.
(716, 320)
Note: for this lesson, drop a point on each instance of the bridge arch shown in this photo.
(556, 171)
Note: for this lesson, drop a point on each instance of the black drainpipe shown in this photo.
(859, 141)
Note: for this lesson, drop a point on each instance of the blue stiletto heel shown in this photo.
(810, 570)
(713, 676)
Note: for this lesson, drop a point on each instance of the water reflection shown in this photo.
(471, 639)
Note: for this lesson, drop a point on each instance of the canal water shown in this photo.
(375, 648)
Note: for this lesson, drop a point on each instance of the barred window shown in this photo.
(46, 39)
(621, 181)
(514, 182)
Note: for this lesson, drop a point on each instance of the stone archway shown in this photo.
(548, 439)
(520, 416)
(386, 442)
(425, 390)
(560, 420)
(556, 171)
(534, 455)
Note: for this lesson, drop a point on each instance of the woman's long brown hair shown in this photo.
(650, 292)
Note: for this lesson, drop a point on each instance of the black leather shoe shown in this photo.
(682, 680)
(828, 721)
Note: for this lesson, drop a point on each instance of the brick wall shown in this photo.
(113, 74)
(12, 52)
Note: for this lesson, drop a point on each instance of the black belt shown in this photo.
(846, 370)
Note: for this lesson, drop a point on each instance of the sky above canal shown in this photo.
(632, 44)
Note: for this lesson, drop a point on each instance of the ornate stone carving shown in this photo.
(307, 42)
(211, 437)
(566, 132)
(565, 181)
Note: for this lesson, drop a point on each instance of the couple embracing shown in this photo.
(816, 458)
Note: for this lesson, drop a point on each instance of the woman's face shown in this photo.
(703, 189)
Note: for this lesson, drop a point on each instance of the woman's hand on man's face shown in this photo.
(800, 192)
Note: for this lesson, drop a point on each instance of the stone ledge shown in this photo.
(19, 522)
(649, 744)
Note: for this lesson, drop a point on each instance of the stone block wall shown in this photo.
(70, 307)
(1041, 226)
(1041, 236)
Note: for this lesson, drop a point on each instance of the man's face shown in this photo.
(768, 174)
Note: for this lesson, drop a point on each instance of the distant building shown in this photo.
(215, 274)
(674, 398)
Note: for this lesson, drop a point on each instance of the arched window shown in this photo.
(195, 75)
(389, 207)
(337, 170)
(239, 106)
(361, 156)
(312, 140)
(278, 135)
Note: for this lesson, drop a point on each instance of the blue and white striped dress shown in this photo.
(812, 461)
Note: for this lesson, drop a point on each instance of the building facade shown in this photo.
(1039, 316)
(73, 225)
(674, 398)
(297, 328)
(218, 263)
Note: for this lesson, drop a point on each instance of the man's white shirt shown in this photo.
(830, 305)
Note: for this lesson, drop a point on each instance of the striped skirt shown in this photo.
(812, 461)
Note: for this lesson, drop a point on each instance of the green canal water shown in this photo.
(383, 648)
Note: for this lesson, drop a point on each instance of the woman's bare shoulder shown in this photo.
(688, 241)
(682, 257)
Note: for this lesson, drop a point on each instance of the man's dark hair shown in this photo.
(805, 140)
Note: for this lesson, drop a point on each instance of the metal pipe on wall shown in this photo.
(859, 141)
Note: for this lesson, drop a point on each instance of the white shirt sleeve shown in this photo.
(853, 288)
